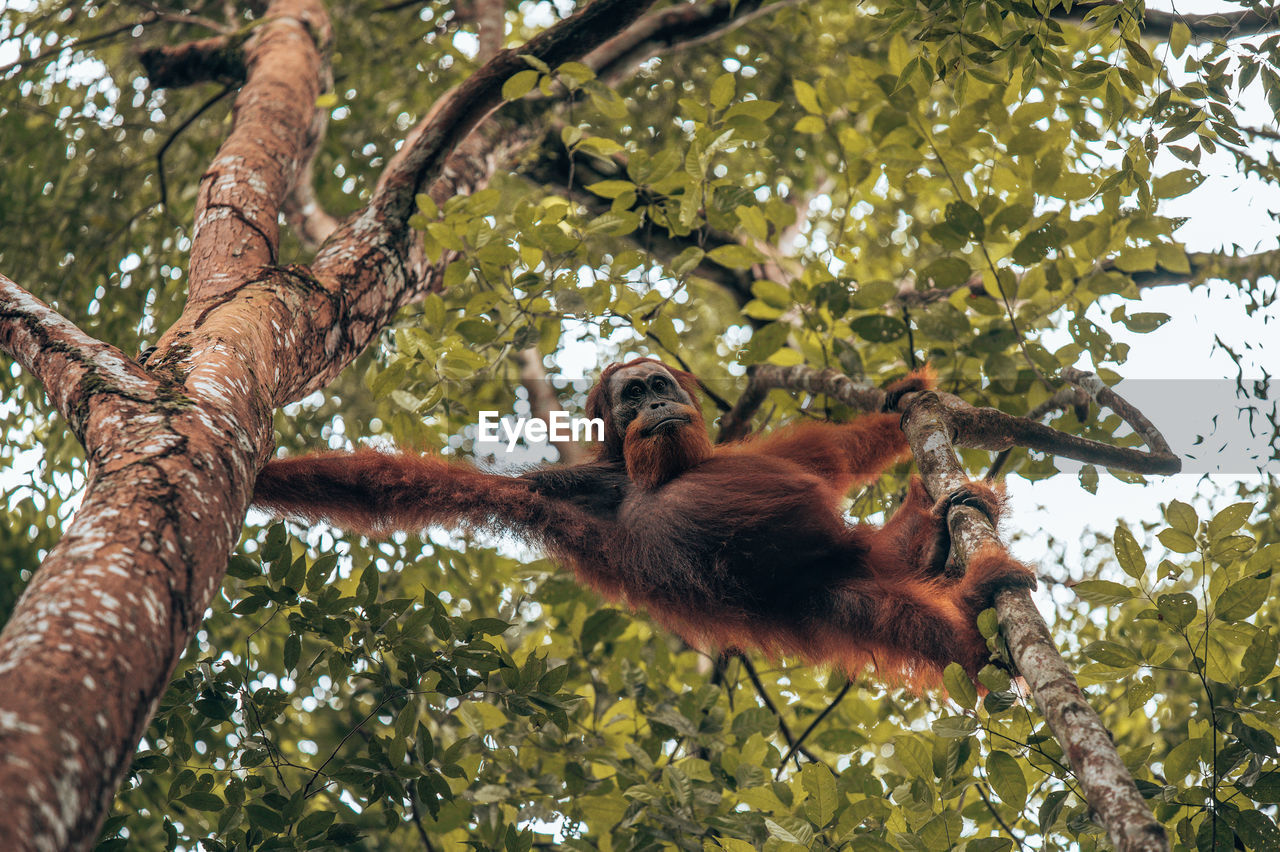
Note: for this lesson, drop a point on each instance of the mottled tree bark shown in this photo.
(174, 443)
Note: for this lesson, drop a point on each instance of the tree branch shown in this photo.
(77, 371)
(220, 58)
(58, 49)
(1107, 784)
(978, 428)
(677, 28)
(420, 161)
(241, 193)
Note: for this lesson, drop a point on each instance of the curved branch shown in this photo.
(1103, 395)
(979, 428)
(677, 28)
(421, 161)
(1107, 784)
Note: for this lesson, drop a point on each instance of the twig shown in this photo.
(793, 746)
(418, 163)
(716, 399)
(986, 800)
(78, 43)
(737, 422)
(173, 137)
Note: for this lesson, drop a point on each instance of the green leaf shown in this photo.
(1177, 541)
(519, 84)
(1176, 183)
(1256, 829)
(611, 188)
(203, 802)
(810, 124)
(722, 91)
(292, 651)
(536, 63)
(823, 799)
(1182, 760)
(965, 219)
(1182, 517)
(1103, 592)
(1128, 553)
(1138, 693)
(315, 822)
(953, 727)
(878, 328)
(1179, 38)
(1051, 809)
(772, 293)
(790, 829)
(959, 687)
(1241, 599)
(1112, 654)
(1259, 658)
(1145, 322)
(946, 272)
(318, 573)
(807, 97)
(265, 818)
(1036, 245)
(1007, 779)
(687, 260)
(1178, 608)
(576, 72)
(734, 256)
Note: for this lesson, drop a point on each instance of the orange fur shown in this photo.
(739, 546)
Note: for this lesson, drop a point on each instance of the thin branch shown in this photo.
(986, 800)
(826, 711)
(173, 137)
(57, 49)
(1090, 751)
(183, 17)
(552, 168)
(737, 422)
(1069, 396)
(793, 745)
(677, 28)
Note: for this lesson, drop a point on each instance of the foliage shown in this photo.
(861, 174)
